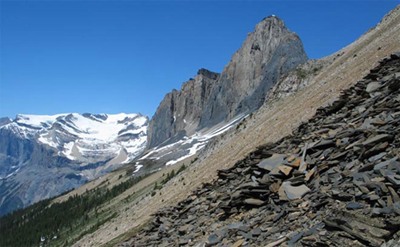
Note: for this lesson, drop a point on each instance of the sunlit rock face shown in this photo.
(211, 98)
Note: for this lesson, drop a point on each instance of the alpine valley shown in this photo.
(275, 150)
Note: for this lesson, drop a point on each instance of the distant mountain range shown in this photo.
(43, 156)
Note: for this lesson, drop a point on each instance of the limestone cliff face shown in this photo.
(269, 52)
(180, 111)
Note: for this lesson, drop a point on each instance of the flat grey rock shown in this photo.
(354, 205)
(255, 202)
(394, 179)
(235, 226)
(212, 240)
(295, 238)
(373, 86)
(377, 139)
(384, 164)
(295, 192)
(273, 162)
(256, 232)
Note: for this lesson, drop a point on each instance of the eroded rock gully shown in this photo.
(334, 182)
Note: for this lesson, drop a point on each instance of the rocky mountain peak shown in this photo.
(269, 51)
(207, 73)
(271, 20)
(5, 120)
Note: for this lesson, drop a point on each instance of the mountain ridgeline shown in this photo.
(44, 156)
(210, 98)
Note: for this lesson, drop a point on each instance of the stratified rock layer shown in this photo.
(268, 53)
(334, 182)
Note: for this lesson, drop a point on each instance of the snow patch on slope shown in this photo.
(68, 150)
(192, 143)
(97, 131)
(38, 121)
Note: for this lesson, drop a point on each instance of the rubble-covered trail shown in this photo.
(334, 182)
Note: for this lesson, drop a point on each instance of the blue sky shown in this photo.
(125, 55)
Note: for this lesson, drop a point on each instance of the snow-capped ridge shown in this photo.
(77, 136)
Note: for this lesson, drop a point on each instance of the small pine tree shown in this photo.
(182, 168)
(155, 186)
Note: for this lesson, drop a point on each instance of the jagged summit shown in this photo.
(270, 24)
(271, 18)
(5, 120)
(267, 53)
(208, 73)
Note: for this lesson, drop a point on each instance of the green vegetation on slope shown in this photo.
(54, 222)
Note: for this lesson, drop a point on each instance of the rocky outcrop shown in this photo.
(179, 113)
(298, 78)
(4, 121)
(334, 182)
(31, 172)
(268, 53)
